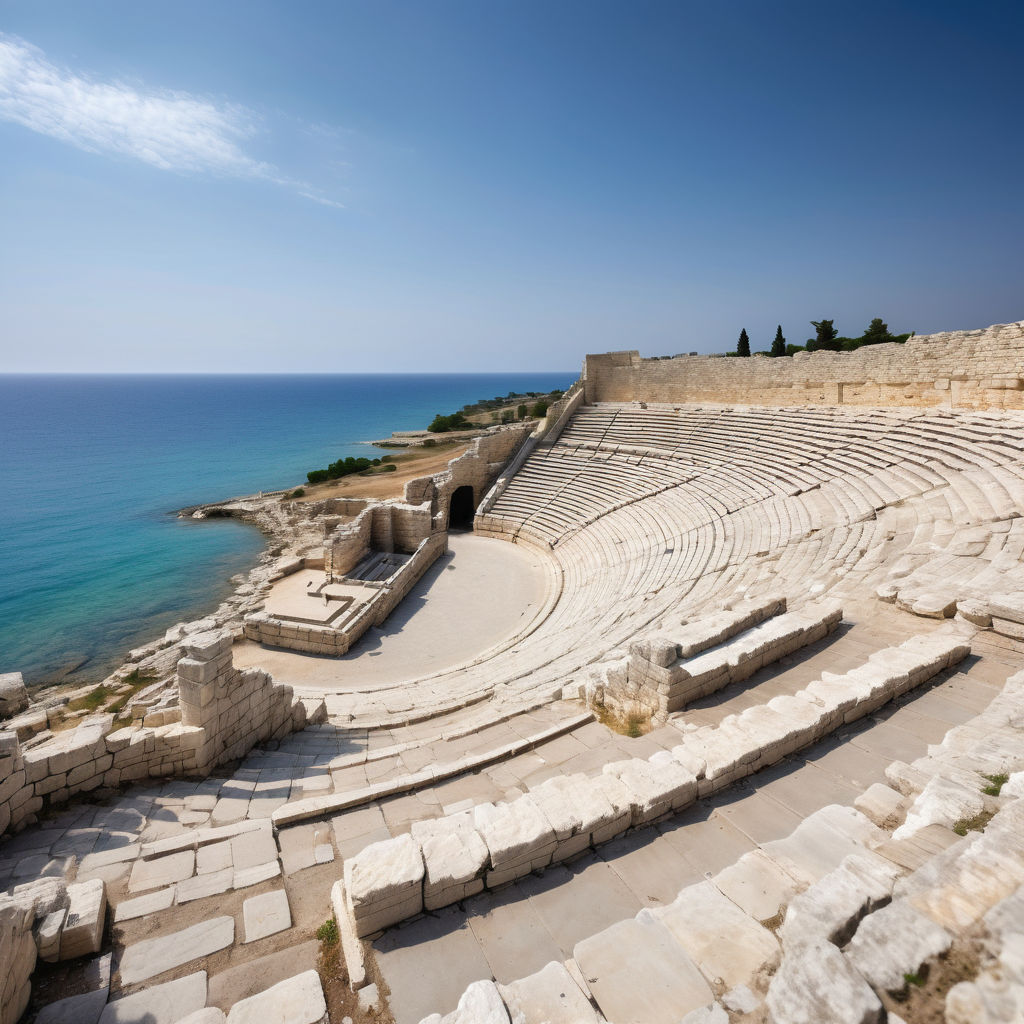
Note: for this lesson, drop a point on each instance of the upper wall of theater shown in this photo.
(982, 369)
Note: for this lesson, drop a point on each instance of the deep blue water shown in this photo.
(92, 562)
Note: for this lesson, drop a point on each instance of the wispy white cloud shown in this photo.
(171, 130)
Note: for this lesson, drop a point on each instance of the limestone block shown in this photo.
(266, 914)
(455, 858)
(637, 972)
(479, 1004)
(882, 805)
(832, 907)
(141, 906)
(298, 1000)
(160, 1004)
(13, 696)
(655, 789)
(815, 984)
(83, 928)
(758, 886)
(351, 946)
(550, 996)
(517, 834)
(161, 871)
(48, 935)
(558, 807)
(942, 802)
(895, 941)
(384, 883)
(726, 944)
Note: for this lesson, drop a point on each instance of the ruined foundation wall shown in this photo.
(981, 369)
(225, 712)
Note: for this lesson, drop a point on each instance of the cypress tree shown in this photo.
(779, 344)
(743, 345)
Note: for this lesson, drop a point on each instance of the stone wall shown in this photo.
(224, 713)
(477, 468)
(981, 369)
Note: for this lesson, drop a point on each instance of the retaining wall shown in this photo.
(224, 713)
(981, 369)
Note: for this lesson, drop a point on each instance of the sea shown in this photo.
(93, 559)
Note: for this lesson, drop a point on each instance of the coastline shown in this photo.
(285, 539)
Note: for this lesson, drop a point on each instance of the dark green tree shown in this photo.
(521, 412)
(539, 410)
(825, 336)
(877, 332)
(779, 344)
(743, 345)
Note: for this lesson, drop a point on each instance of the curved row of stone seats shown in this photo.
(828, 923)
(792, 500)
(460, 854)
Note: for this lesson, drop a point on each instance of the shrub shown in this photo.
(539, 410)
(343, 467)
(327, 933)
(442, 424)
(298, 492)
(521, 412)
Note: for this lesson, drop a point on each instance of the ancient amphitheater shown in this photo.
(716, 715)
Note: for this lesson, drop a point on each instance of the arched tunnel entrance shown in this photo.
(461, 509)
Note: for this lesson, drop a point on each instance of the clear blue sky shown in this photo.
(495, 185)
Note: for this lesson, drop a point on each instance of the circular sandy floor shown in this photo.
(479, 593)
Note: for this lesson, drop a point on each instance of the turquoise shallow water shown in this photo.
(92, 562)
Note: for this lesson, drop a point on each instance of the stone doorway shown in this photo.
(461, 508)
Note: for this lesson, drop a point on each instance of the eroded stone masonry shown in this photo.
(754, 754)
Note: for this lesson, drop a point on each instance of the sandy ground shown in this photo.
(480, 592)
(423, 462)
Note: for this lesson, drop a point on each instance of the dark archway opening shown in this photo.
(461, 509)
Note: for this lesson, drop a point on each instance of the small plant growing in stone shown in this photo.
(327, 933)
(996, 784)
(913, 979)
(975, 824)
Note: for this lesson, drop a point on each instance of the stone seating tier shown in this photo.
(390, 881)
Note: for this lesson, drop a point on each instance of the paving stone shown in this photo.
(726, 944)
(253, 976)
(549, 996)
(298, 1000)
(639, 974)
(161, 871)
(150, 957)
(160, 1004)
(758, 886)
(140, 906)
(266, 914)
(244, 877)
(253, 849)
(214, 857)
(511, 934)
(428, 963)
(199, 887)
